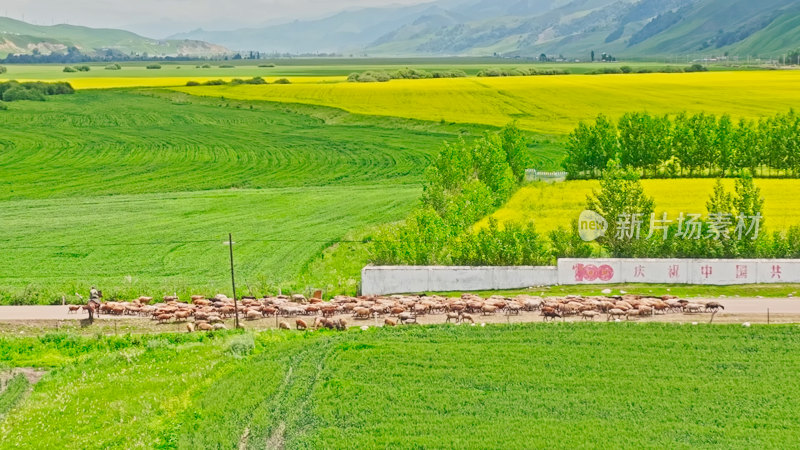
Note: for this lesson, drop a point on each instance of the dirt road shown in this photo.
(781, 310)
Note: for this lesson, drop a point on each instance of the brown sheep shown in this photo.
(390, 322)
(488, 309)
(73, 309)
(714, 306)
(362, 313)
(452, 316)
(341, 324)
(615, 312)
(190, 327)
(550, 314)
(467, 317)
(589, 314)
(284, 325)
(301, 324)
(253, 315)
(407, 317)
(204, 326)
(163, 318)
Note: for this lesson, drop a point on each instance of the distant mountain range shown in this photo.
(18, 37)
(525, 28)
(634, 28)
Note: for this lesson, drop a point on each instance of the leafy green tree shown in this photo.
(516, 147)
(622, 202)
(725, 137)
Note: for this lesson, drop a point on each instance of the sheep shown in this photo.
(301, 324)
(488, 309)
(693, 307)
(453, 316)
(389, 322)
(203, 326)
(714, 306)
(407, 317)
(284, 325)
(163, 318)
(182, 315)
(589, 314)
(190, 327)
(341, 324)
(467, 317)
(73, 309)
(550, 314)
(615, 312)
(219, 326)
(253, 315)
(362, 313)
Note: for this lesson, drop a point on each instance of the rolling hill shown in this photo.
(527, 28)
(17, 37)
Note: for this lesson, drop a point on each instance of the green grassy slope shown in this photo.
(88, 40)
(525, 386)
(286, 180)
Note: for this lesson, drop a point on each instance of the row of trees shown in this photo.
(686, 145)
(621, 195)
(372, 76)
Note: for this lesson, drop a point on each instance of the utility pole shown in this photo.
(233, 285)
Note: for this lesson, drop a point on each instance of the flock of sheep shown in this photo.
(208, 314)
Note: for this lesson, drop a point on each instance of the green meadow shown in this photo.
(562, 385)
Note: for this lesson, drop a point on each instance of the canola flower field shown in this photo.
(551, 206)
(544, 104)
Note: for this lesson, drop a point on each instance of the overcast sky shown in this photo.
(160, 18)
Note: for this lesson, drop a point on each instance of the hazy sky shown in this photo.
(159, 18)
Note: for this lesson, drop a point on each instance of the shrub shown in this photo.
(282, 81)
(255, 80)
(114, 66)
(153, 66)
(69, 69)
(626, 69)
(236, 81)
(226, 67)
(19, 92)
(192, 83)
(696, 68)
(214, 83)
(3, 106)
(3, 69)
(83, 68)
(242, 345)
(266, 65)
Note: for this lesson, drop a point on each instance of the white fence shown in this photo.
(552, 177)
(380, 280)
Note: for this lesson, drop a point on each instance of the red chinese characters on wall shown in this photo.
(591, 272)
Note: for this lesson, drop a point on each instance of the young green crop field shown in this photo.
(555, 205)
(546, 104)
(560, 385)
(135, 191)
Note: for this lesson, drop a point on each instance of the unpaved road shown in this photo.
(736, 310)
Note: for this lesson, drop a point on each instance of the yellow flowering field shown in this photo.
(554, 205)
(549, 104)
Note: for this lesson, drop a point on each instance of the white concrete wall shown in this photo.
(380, 280)
(678, 271)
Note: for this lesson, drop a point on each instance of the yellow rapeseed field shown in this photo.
(552, 205)
(549, 104)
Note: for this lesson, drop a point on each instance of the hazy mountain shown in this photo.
(18, 37)
(621, 27)
(573, 28)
